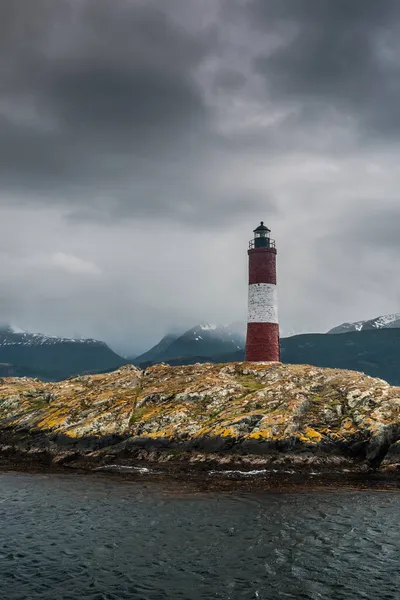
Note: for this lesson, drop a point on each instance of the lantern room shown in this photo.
(262, 237)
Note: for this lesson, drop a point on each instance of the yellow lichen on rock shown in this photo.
(311, 435)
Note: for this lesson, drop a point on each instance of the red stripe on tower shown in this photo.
(262, 342)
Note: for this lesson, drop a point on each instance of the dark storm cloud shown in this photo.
(132, 73)
(48, 47)
(336, 57)
(100, 99)
(113, 99)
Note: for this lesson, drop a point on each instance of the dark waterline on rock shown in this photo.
(70, 537)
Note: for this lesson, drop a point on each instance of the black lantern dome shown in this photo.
(261, 228)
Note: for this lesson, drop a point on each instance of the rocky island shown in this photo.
(237, 415)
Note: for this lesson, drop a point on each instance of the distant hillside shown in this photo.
(52, 358)
(382, 322)
(202, 340)
(158, 351)
(374, 352)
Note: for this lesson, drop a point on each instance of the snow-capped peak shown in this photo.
(15, 329)
(391, 321)
(207, 327)
(207, 332)
(386, 320)
(11, 335)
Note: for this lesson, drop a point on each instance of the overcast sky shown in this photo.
(141, 142)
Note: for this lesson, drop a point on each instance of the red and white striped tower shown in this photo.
(262, 342)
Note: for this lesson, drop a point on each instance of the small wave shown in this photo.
(256, 472)
(252, 473)
(238, 472)
(124, 468)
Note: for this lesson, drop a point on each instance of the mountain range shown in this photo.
(50, 358)
(371, 346)
(204, 339)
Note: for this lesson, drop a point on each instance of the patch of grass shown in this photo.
(250, 383)
(137, 415)
(38, 404)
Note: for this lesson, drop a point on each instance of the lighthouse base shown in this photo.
(262, 342)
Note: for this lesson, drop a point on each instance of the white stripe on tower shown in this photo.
(263, 303)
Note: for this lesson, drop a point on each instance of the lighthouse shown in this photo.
(262, 342)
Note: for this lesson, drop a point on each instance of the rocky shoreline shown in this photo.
(284, 419)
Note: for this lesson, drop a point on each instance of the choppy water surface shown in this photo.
(75, 537)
